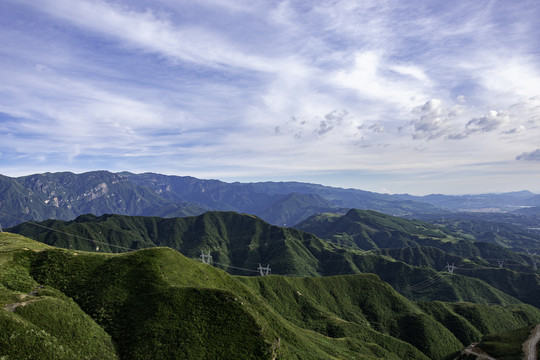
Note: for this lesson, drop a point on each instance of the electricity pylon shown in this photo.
(206, 258)
(264, 270)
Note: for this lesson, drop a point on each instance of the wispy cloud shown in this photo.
(251, 89)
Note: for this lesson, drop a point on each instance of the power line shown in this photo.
(75, 236)
(235, 267)
(207, 258)
(427, 283)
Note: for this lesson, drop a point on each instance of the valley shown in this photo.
(342, 283)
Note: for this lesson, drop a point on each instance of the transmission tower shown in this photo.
(450, 268)
(264, 270)
(501, 263)
(1, 231)
(206, 258)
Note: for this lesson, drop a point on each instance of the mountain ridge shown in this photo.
(156, 303)
(66, 195)
(240, 242)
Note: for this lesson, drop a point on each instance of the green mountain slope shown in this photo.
(239, 243)
(235, 240)
(156, 303)
(468, 321)
(39, 322)
(462, 235)
(369, 230)
(517, 231)
(422, 244)
(507, 345)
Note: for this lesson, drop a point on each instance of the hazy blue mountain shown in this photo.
(255, 198)
(482, 202)
(292, 208)
(66, 195)
(533, 211)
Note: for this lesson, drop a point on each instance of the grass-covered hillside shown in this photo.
(368, 230)
(239, 243)
(40, 322)
(156, 303)
(507, 345)
(459, 234)
(425, 245)
(517, 230)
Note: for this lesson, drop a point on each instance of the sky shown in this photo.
(411, 97)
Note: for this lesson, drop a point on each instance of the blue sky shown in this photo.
(388, 96)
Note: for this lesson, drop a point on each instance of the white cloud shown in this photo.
(314, 86)
(512, 75)
(530, 156)
(369, 76)
(489, 122)
(516, 130)
(410, 70)
(151, 33)
(434, 120)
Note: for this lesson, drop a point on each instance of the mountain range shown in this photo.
(67, 195)
(354, 274)
(409, 255)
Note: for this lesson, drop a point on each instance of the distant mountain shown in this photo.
(292, 208)
(268, 199)
(479, 203)
(370, 230)
(156, 303)
(413, 242)
(519, 230)
(373, 230)
(239, 243)
(66, 195)
(533, 211)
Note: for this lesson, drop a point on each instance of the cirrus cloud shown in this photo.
(304, 88)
